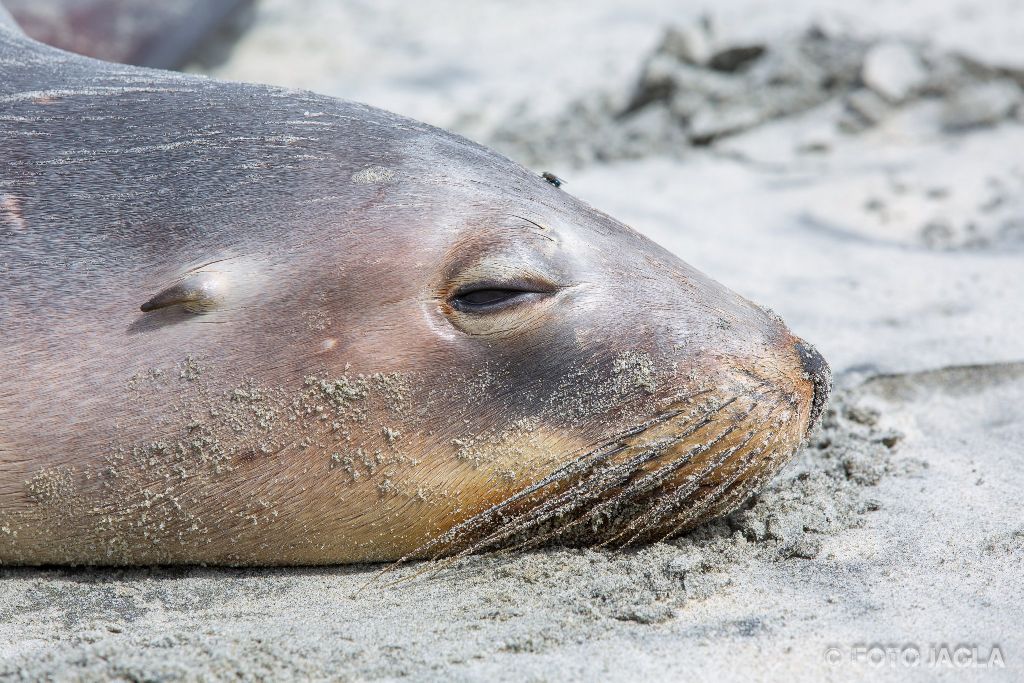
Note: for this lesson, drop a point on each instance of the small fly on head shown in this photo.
(552, 178)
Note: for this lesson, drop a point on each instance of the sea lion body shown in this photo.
(314, 379)
(161, 34)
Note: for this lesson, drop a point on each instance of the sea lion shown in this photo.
(250, 325)
(163, 34)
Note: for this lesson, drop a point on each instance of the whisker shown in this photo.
(657, 512)
(691, 513)
(642, 485)
(716, 495)
(578, 491)
(584, 490)
(578, 465)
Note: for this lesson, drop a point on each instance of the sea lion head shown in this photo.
(627, 396)
(290, 329)
(563, 376)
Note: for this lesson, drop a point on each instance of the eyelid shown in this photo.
(499, 306)
(519, 284)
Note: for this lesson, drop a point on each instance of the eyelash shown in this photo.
(500, 296)
(503, 293)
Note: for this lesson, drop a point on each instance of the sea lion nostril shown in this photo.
(813, 363)
(817, 371)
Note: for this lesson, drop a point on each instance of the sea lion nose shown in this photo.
(819, 374)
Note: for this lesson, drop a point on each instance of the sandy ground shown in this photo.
(872, 197)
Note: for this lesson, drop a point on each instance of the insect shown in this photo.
(552, 178)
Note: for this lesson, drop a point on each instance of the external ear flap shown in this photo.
(197, 293)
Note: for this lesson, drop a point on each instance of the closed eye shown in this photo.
(492, 298)
(488, 300)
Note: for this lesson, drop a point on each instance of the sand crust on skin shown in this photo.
(882, 224)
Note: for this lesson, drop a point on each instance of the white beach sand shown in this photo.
(893, 239)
